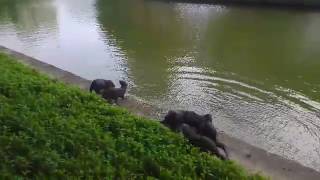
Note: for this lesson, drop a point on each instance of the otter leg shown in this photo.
(203, 142)
(109, 101)
(210, 146)
(222, 146)
(115, 101)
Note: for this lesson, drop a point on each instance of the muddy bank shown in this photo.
(252, 158)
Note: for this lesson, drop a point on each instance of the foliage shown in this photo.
(48, 129)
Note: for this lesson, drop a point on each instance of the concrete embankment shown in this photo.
(252, 158)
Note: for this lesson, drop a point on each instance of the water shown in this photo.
(256, 70)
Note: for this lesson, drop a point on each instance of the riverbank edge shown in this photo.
(252, 158)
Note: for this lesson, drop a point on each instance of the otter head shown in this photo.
(171, 121)
(207, 118)
(123, 84)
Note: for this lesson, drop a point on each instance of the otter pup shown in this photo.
(113, 93)
(98, 85)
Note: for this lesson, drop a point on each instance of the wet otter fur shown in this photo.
(112, 93)
(202, 126)
(98, 85)
(174, 119)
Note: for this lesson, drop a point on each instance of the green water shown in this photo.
(256, 70)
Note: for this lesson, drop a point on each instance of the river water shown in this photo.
(256, 70)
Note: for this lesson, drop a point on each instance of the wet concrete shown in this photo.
(252, 158)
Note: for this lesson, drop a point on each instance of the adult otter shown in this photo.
(113, 93)
(174, 119)
(201, 124)
(98, 85)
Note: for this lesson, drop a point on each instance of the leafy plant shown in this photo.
(48, 129)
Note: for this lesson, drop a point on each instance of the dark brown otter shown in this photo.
(202, 125)
(112, 93)
(98, 85)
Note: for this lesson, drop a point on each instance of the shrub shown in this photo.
(48, 129)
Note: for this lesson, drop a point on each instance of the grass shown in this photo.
(48, 129)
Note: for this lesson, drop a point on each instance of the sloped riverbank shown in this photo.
(49, 129)
(251, 157)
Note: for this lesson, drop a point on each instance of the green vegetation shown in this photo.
(50, 129)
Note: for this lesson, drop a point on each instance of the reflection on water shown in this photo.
(255, 70)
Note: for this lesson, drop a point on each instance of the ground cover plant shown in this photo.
(48, 129)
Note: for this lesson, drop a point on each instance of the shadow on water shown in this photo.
(27, 22)
(148, 38)
(27, 14)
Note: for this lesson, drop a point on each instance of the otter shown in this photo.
(113, 93)
(201, 124)
(98, 85)
(174, 119)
